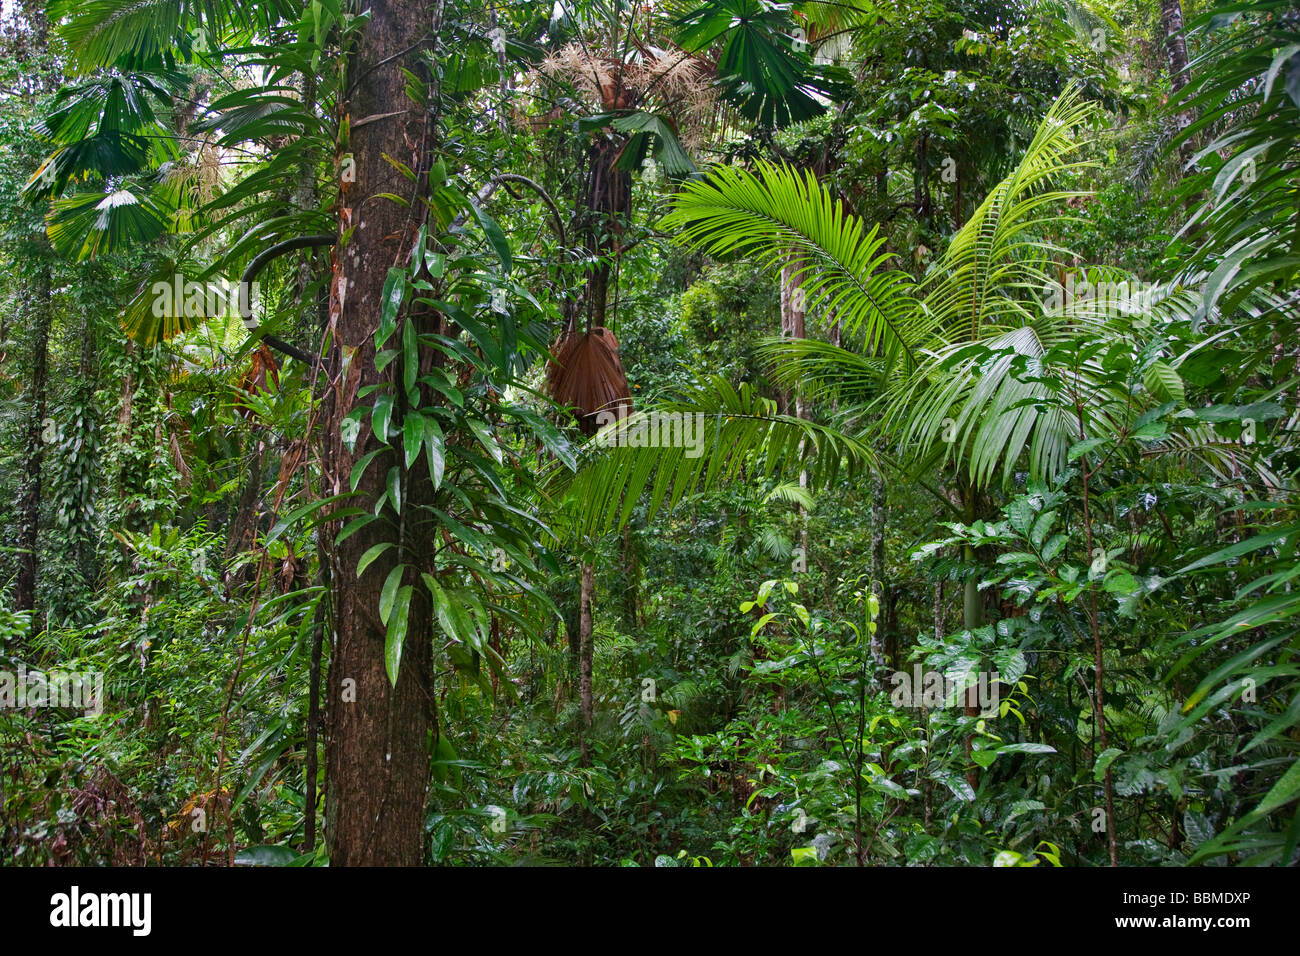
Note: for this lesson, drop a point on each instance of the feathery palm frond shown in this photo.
(712, 435)
(1000, 259)
(1225, 458)
(1268, 612)
(980, 330)
(258, 114)
(982, 387)
(793, 494)
(1246, 93)
(999, 398)
(785, 217)
(821, 370)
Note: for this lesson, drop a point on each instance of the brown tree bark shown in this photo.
(1171, 18)
(29, 496)
(794, 324)
(879, 651)
(377, 761)
(602, 218)
(586, 652)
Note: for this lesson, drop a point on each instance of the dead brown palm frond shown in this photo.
(262, 369)
(586, 374)
(653, 79)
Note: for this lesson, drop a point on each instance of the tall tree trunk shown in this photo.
(29, 495)
(794, 324)
(603, 216)
(1171, 18)
(939, 612)
(879, 653)
(83, 548)
(922, 183)
(377, 761)
(585, 654)
(39, 309)
(630, 600)
(972, 616)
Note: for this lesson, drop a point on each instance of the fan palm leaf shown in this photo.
(106, 33)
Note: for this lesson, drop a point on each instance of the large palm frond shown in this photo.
(983, 387)
(1002, 259)
(107, 126)
(1246, 94)
(733, 433)
(91, 224)
(760, 71)
(135, 33)
(784, 217)
(824, 372)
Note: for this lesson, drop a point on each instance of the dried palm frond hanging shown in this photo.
(646, 79)
(262, 370)
(586, 374)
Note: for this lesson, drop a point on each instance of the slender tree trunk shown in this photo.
(972, 617)
(83, 548)
(922, 190)
(585, 654)
(940, 626)
(630, 602)
(1171, 18)
(878, 515)
(377, 761)
(29, 495)
(566, 688)
(1099, 681)
(794, 324)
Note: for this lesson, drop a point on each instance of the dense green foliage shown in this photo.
(983, 551)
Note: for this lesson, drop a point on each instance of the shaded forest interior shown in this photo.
(659, 433)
